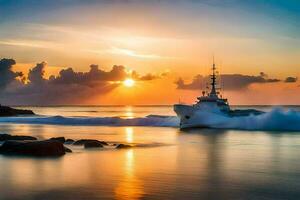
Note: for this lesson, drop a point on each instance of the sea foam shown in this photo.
(275, 120)
(160, 121)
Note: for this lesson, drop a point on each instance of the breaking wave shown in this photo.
(151, 120)
(275, 120)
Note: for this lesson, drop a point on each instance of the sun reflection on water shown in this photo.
(128, 112)
(129, 134)
(130, 187)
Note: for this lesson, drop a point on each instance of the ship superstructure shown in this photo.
(209, 108)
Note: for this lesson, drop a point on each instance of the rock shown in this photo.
(67, 150)
(59, 139)
(93, 144)
(104, 143)
(123, 146)
(44, 148)
(69, 141)
(6, 111)
(83, 141)
(4, 137)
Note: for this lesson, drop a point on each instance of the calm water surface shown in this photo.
(170, 164)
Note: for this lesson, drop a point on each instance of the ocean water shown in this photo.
(248, 158)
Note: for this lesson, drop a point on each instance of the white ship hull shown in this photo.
(204, 116)
(208, 115)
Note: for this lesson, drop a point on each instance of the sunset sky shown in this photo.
(166, 47)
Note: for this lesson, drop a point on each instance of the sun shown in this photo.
(128, 82)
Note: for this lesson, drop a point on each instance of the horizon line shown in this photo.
(138, 105)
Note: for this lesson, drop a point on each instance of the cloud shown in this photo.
(68, 87)
(6, 74)
(290, 79)
(149, 76)
(130, 53)
(29, 43)
(263, 74)
(36, 74)
(228, 81)
(90, 78)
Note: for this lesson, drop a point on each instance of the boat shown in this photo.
(209, 109)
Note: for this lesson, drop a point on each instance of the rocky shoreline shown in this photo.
(53, 147)
(6, 111)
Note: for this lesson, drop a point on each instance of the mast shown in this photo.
(213, 78)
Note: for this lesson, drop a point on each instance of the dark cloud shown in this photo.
(68, 87)
(263, 74)
(199, 82)
(228, 81)
(36, 74)
(290, 79)
(147, 77)
(6, 73)
(90, 78)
